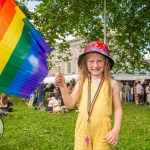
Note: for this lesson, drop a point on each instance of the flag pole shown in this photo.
(105, 38)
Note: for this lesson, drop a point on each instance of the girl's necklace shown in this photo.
(92, 102)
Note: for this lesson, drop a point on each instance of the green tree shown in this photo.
(130, 20)
(127, 27)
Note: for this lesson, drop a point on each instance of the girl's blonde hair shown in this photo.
(85, 73)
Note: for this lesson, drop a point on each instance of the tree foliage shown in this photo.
(130, 20)
(127, 27)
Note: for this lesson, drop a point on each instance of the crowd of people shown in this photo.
(135, 92)
(54, 103)
(129, 92)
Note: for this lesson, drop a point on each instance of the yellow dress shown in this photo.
(100, 123)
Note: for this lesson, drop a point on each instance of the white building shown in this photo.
(70, 68)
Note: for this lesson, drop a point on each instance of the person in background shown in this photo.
(127, 92)
(50, 99)
(131, 94)
(139, 91)
(57, 89)
(57, 109)
(72, 83)
(148, 93)
(145, 84)
(136, 97)
(47, 88)
(54, 104)
(41, 92)
(5, 103)
(32, 98)
(121, 88)
(52, 88)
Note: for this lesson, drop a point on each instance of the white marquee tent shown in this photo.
(131, 76)
(121, 76)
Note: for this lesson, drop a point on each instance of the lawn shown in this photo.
(30, 129)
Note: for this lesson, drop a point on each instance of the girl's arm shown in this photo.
(112, 136)
(69, 100)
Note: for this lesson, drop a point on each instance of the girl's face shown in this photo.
(95, 64)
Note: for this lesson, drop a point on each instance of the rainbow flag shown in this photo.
(23, 52)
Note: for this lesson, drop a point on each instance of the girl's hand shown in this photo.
(112, 137)
(59, 80)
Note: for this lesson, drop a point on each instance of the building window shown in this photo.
(68, 67)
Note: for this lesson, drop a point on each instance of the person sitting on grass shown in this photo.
(55, 103)
(50, 100)
(5, 103)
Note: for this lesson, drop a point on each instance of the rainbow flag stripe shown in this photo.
(23, 52)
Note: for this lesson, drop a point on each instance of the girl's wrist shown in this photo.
(62, 87)
(116, 129)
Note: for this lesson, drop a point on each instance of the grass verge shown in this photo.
(30, 129)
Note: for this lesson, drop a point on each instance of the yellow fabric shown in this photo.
(6, 49)
(100, 123)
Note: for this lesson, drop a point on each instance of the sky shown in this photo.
(32, 4)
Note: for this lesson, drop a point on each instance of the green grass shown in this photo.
(30, 129)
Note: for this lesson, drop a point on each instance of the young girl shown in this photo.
(96, 92)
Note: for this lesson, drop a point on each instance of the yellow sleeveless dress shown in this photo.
(100, 123)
